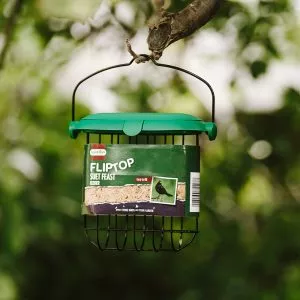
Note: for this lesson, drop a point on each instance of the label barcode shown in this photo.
(194, 192)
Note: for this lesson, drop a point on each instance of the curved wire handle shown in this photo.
(157, 64)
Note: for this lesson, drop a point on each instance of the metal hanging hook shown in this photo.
(155, 63)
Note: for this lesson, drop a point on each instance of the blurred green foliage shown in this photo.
(249, 242)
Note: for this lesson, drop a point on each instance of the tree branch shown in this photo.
(9, 29)
(171, 27)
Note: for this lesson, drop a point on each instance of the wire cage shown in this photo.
(136, 231)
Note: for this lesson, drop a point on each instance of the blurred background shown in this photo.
(249, 241)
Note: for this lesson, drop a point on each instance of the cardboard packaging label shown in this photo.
(141, 179)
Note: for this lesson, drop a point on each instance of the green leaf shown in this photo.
(258, 68)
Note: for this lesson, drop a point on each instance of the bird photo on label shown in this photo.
(164, 190)
(161, 190)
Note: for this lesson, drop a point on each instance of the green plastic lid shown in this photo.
(133, 124)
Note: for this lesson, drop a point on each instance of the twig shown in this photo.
(9, 29)
(137, 58)
(129, 49)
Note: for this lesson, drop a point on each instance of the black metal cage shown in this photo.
(136, 232)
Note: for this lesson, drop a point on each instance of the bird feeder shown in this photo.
(141, 179)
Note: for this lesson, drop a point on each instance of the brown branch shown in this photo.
(9, 29)
(171, 27)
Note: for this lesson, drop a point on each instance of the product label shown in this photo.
(141, 179)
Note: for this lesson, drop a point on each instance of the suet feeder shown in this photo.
(141, 179)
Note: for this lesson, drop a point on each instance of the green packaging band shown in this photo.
(141, 179)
